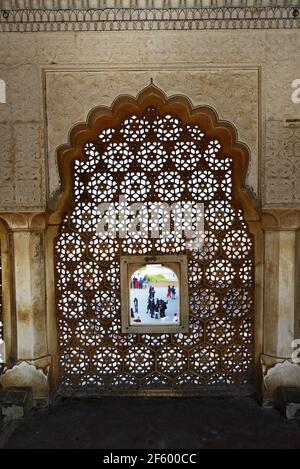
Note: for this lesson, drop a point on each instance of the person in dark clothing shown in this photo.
(152, 308)
(151, 293)
(131, 313)
(162, 308)
(173, 293)
(136, 305)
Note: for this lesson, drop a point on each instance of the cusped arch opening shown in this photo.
(154, 150)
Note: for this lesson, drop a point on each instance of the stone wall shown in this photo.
(54, 79)
(85, 4)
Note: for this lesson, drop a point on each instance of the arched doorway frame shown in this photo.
(102, 117)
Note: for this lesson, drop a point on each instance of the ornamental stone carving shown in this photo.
(91, 15)
(282, 164)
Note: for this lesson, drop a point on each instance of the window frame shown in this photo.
(177, 263)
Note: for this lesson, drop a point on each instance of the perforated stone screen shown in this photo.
(154, 157)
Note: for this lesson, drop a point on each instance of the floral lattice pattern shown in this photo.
(154, 158)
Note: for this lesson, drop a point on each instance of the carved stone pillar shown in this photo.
(282, 294)
(27, 232)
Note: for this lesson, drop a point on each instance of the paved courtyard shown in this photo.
(160, 293)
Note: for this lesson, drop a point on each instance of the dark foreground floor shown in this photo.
(157, 423)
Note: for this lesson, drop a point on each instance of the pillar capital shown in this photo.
(25, 221)
(281, 219)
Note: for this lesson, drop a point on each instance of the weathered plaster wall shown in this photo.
(54, 80)
(209, 86)
(52, 4)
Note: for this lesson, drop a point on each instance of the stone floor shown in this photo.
(154, 423)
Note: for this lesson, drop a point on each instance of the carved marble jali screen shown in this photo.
(153, 150)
